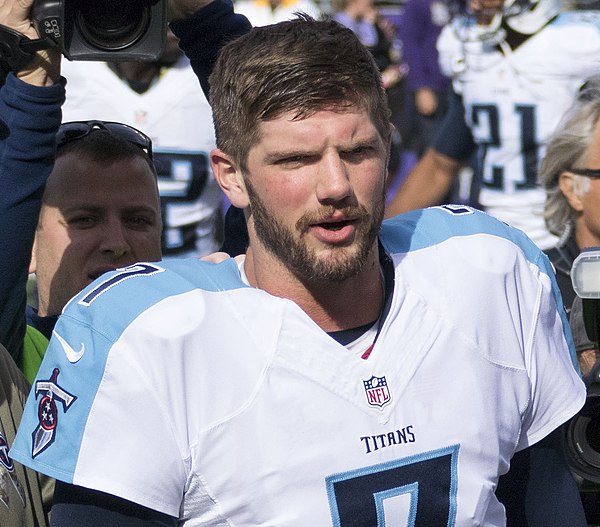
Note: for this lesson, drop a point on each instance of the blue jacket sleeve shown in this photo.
(539, 490)
(454, 138)
(29, 119)
(75, 506)
(203, 34)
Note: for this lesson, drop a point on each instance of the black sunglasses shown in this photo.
(74, 130)
(593, 173)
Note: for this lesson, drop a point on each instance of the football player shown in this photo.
(515, 70)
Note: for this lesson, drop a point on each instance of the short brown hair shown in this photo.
(302, 65)
(102, 146)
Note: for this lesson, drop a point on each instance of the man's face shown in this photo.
(316, 192)
(484, 10)
(95, 217)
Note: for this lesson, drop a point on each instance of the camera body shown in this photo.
(582, 433)
(106, 30)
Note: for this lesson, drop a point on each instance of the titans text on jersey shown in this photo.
(397, 437)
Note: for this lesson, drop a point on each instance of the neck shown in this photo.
(138, 74)
(332, 306)
(583, 236)
(274, 4)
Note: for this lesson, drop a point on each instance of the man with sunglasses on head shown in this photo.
(77, 200)
(30, 110)
(67, 220)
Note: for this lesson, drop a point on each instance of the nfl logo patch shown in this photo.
(377, 391)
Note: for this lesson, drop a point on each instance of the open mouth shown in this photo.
(334, 225)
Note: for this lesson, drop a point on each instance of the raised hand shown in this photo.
(44, 69)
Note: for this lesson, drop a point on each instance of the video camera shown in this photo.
(108, 30)
(582, 433)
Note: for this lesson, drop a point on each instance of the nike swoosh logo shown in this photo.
(72, 355)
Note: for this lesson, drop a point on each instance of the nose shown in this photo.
(114, 240)
(334, 182)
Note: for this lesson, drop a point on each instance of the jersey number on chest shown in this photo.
(487, 120)
(418, 491)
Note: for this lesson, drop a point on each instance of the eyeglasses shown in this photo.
(593, 173)
(74, 130)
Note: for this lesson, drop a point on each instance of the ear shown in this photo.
(33, 261)
(567, 187)
(229, 177)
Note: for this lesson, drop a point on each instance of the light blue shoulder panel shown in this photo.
(424, 228)
(62, 394)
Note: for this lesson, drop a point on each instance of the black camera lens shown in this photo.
(582, 445)
(592, 435)
(113, 24)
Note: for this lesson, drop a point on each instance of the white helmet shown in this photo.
(523, 16)
(527, 17)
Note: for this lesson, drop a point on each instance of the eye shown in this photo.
(139, 222)
(359, 153)
(296, 160)
(83, 222)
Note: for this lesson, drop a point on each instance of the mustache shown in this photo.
(354, 212)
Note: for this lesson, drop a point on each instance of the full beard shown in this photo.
(341, 263)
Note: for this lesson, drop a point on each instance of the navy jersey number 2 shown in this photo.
(487, 120)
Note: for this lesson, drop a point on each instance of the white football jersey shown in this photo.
(176, 115)
(513, 102)
(179, 387)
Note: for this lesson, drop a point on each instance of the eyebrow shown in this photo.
(283, 154)
(100, 210)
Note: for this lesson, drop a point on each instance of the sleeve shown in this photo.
(557, 390)
(203, 35)
(76, 506)
(539, 490)
(454, 138)
(29, 119)
(98, 397)
(448, 47)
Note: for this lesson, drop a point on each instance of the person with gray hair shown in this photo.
(569, 174)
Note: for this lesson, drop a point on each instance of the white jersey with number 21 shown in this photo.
(514, 100)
